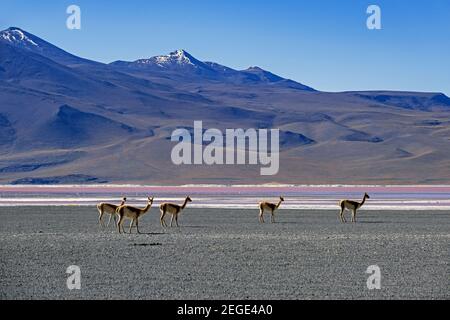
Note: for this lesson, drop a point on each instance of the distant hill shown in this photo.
(65, 119)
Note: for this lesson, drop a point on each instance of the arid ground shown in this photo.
(224, 254)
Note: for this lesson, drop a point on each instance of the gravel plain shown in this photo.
(224, 254)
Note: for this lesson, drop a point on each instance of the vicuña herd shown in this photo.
(122, 211)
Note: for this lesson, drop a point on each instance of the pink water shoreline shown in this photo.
(223, 189)
(382, 197)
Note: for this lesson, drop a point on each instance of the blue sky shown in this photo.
(323, 43)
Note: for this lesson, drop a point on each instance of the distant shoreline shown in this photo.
(203, 185)
(301, 197)
(405, 209)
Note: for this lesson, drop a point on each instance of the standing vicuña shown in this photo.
(269, 207)
(173, 209)
(133, 214)
(109, 209)
(351, 205)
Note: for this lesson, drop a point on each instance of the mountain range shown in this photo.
(65, 119)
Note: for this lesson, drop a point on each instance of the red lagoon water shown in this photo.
(314, 197)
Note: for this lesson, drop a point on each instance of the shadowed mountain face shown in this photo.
(7, 132)
(65, 119)
(71, 127)
(408, 101)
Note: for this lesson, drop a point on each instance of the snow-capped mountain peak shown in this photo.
(17, 36)
(24, 40)
(254, 68)
(178, 57)
(173, 59)
(180, 62)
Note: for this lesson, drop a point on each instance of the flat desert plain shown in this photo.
(224, 254)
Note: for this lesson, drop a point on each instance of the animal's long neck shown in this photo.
(362, 202)
(145, 210)
(184, 204)
(279, 203)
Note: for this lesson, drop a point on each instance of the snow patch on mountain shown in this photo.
(178, 57)
(16, 36)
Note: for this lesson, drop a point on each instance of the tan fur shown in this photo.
(268, 206)
(133, 214)
(173, 209)
(351, 205)
(109, 209)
